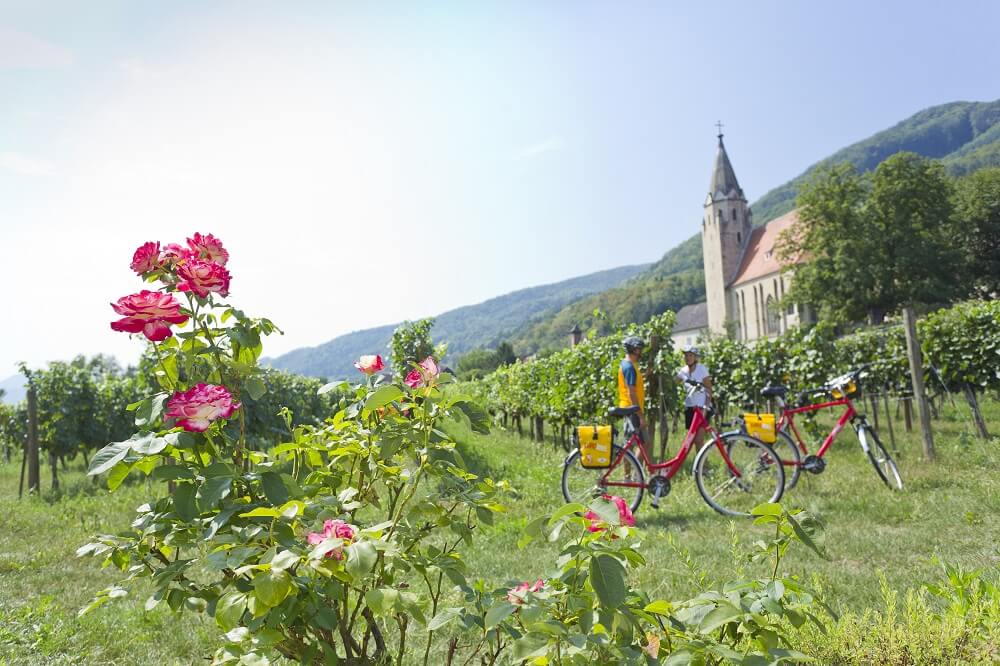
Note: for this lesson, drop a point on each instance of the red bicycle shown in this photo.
(791, 447)
(734, 471)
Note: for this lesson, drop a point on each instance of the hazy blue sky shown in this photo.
(369, 162)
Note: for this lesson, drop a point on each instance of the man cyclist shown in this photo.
(631, 388)
(695, 371)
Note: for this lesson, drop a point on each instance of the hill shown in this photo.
(483, 325)
(965, 136)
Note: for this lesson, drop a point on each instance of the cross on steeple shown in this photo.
(718, 125)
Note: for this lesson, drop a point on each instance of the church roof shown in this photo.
(760, 257)
(691, 317)
(724, 184)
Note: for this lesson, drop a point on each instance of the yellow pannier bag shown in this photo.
(846, 390)
(761, 426)
(595, 445)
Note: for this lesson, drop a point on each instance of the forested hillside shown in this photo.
(965, 136)
(483, 325)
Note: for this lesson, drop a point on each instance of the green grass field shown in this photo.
(879, 542)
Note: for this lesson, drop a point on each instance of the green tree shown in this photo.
(977, 230)
(411, 343)
(505, 354)
(867, 249)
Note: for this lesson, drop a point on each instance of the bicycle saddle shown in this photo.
(623, 411)
(774, 391)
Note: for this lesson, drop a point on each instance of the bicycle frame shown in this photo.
(787, 422)
(672, 466)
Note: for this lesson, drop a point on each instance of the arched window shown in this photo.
(773, 319)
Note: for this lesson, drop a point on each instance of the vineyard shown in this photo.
(961, 345)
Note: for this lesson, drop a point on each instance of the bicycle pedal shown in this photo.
(654, 505)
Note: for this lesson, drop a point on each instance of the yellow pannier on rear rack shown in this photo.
(595, 445)
(761, 426)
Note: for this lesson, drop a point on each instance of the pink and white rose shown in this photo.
(146, 258)
(516, 595)
(369, 364)
(203, 277)
(148, 312)
(424, 374)
(172, 254)
(333, 529)
(196, 408)
(625, 516)
(207, 248)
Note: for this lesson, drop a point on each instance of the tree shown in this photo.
(411, 343)
(866, 249)
(505, 354)
(977, 230)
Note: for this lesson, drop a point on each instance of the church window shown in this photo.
(739, 237)
(771, 312)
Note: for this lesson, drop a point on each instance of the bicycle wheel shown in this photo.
(883, 463)
(580, 484)
(738, 473)
(791, 458)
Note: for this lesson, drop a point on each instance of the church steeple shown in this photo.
(724, 184)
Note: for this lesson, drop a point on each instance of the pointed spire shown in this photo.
(724, 184)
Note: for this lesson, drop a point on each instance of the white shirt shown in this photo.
(695, 397)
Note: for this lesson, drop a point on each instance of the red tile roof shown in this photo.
(760, 257)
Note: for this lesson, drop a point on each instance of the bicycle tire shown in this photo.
(879, 457)
(574, 474)
(762, 477)
(788, 452)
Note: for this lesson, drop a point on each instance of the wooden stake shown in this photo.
(34, 468)
(977, 416)
(888, 420)
(917, 377)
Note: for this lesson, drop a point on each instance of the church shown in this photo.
(743, 278)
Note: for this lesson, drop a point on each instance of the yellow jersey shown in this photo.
(629, 375)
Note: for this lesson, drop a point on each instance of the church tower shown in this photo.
(725, 230)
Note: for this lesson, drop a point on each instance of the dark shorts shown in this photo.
(689, 416)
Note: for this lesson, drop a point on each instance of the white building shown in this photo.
(743, 278)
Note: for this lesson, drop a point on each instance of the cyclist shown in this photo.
(695, 371)
(631, 389)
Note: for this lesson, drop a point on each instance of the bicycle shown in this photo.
(791, 447)
(734, 473)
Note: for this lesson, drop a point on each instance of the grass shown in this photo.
(880, 544)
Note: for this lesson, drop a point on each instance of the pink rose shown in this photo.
(369, 364)
(196, 408)
(173, 254)
(150, 312)
(516, 595)
(425, 372)
(332, 529)
(146, 258)
(208, 248)
(203, 277)
(625, 516)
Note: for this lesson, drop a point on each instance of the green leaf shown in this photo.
(659, 607)
(805, 538)
(274, 488)
(213, 490)
(498, 613)
(229, 610)
(271, 587)
(172, 473)
(479, 418)
(262, 512)
(607, 576)
(566, 510)
(443, 617)
(118, 474)
(184, 504)
(149, 445)
(361, 557)
(530, 646)
(150, 409)
(382, 601)
(108, 457)
(284, 560)
(256, 388)
(767, 509)
(383, 396)
(718, 616)
(606, 510)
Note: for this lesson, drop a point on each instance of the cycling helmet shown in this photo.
(691, 349)
(633, 344)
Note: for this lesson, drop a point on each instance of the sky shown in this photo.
(366, 163)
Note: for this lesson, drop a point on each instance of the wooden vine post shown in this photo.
(654, 389)
(917, 377)
(31, 445)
